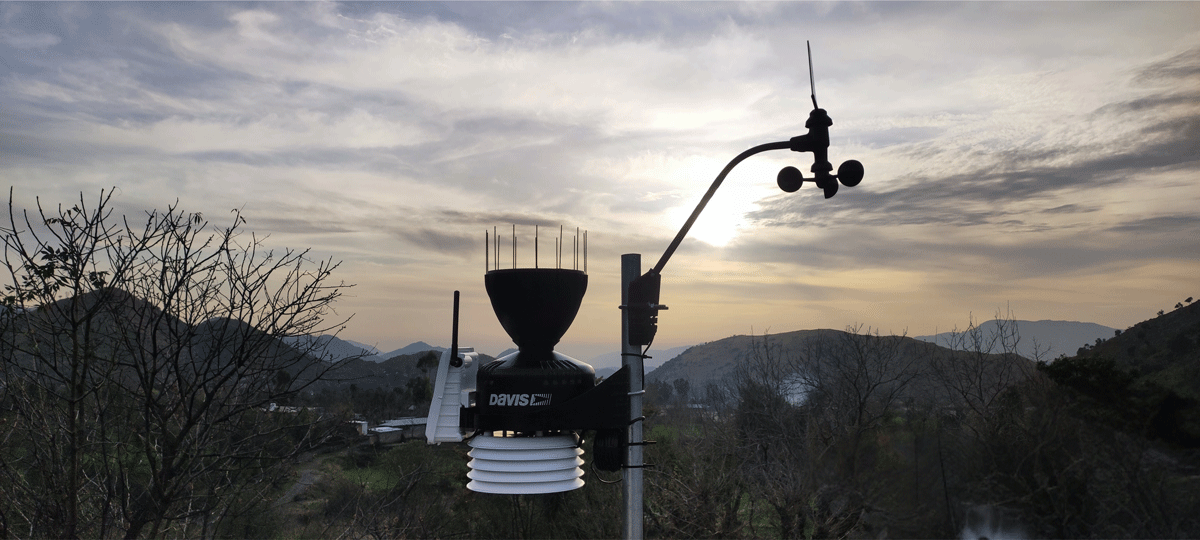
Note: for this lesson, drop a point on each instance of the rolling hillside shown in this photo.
(1052, 338)
(1164, 350)
(719, 361)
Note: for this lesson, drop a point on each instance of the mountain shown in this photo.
(371, 349)
(366, 374)
(1054, 338)
(717, 361)
(335, 349)
(926, 367)
(411, 348)
(610, 362)
(140, 339)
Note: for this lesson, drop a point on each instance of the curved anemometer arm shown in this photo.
(711, 190)
(643, 303)
(790, 179)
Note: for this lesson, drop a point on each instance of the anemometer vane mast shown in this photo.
(643, 292)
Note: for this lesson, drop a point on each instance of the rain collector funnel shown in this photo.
(535, 306)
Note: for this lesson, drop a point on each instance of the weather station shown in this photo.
(524, 414)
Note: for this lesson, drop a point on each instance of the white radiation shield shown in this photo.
(524, 465)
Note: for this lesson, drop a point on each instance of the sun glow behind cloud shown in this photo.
(392, 135)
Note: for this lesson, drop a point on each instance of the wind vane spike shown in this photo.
(812, 82)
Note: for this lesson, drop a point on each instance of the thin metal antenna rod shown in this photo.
(487, 262)
(454, 359)
(812, 81)
(535, 246)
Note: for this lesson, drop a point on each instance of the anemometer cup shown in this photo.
(830, 187)
(790, 179)
(850, 173)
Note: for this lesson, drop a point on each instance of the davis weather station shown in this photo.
(526, 414)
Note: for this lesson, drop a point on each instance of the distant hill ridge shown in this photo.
(610, 362)
(394, 372)
(338, 349)
(717, 361)
(1051, 338)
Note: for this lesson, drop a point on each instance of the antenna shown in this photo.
(454, 359)
(812, 82)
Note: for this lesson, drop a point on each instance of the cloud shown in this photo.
(1006, 184)
(29, 41)
(440, 241)
(391, 134)
(1184, 66)
(1178, 226)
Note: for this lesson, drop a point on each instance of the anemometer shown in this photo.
(643, 303)
(850, 173)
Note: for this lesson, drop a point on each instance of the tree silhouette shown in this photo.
(137, 364)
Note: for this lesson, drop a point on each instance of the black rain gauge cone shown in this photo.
(535, 306)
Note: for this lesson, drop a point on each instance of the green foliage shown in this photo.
(428, 360)
(1124, 399)
(1098, 378)
(414, 490)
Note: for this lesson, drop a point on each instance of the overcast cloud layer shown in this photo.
(1039, 156)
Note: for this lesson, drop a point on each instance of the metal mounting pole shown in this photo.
(631, 356)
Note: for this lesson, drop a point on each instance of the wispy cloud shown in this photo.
(1010, 144)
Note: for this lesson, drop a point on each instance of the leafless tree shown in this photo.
(138, 361)
(976, 366)
(855, 379)
(804, 416)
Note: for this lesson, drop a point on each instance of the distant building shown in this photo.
(398, 430)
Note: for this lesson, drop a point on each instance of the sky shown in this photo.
(1036, 158)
